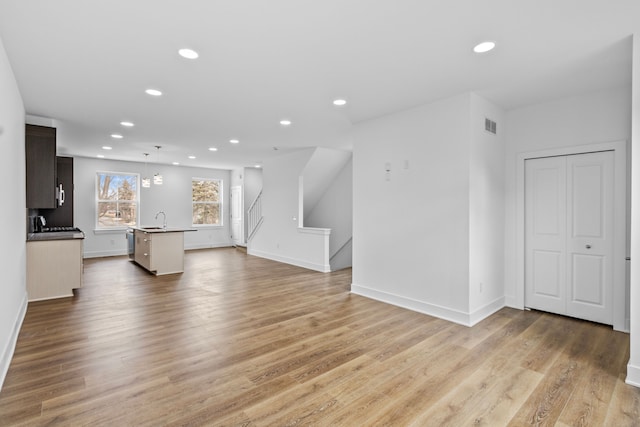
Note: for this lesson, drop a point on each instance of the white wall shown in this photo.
(633, 367)
(236, 177)
(173, 197)
(411, 231)
(603, 116)
(13, 292)
(334, 210)
(318, 174)
(279, 238)
(486, 210)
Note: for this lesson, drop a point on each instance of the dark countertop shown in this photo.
(154, 229)
(55, 235)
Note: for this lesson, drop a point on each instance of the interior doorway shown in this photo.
(619, 283)
(237, 217)
(569, 235)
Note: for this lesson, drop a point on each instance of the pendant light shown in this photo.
(157, 178)
(146, 181)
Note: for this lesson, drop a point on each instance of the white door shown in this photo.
(237, 229)
(545, 233)
(569, 235)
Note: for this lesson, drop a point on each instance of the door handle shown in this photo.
(588, 246)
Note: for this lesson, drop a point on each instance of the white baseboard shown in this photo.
(101, 254)
(292, 261)
(208, 246)
(486, 310)
(445, 313)
(452, 315)
(510, 301)
(9, 348)
(52, 297)
(633, 375)
(121, 252)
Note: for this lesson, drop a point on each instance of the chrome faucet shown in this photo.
(164, 218)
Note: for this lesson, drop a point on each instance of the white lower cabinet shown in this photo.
(142, 253)
(54, 268)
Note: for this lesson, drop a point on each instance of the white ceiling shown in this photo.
(86, 64)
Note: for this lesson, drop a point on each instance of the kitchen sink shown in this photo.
(151, 228)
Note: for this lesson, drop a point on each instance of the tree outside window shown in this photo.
(117, 200)
(206, 196)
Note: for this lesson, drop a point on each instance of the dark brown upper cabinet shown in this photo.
(40, 151)
(62, 215)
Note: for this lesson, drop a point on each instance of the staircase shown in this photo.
(342, 258)
(328, 204)
(320, 237)
(254, 216)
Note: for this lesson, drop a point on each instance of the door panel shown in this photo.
(569, 235)
(590, 244)
(547, 199)
(545, 195)
(587, 200)
(546, 270)
(588, 279)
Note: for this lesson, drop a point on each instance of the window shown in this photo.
(206, 195)
(117, 199)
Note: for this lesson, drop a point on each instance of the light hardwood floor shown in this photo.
(239, 340)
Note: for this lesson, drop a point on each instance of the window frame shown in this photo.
(220, 202)
(102, 228)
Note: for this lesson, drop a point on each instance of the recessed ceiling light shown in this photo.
(127, 124)
(213, 149)
(106, 147)
(116, 136)
(484, 47)
(339, 102)
(258, 166)
(192, 157)
(153, 92)
(234, 141)
(188, 53)
(176, 163)
(285, 122)
(100, 156)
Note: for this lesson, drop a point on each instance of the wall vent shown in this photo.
(489, 125)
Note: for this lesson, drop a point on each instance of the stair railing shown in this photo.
(254, 216)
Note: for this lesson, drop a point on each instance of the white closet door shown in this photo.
(569, 235)
(590, 236)
(546, 230)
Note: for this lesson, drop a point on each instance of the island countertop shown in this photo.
(156, 229)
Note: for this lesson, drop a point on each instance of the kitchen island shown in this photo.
(160, 250)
